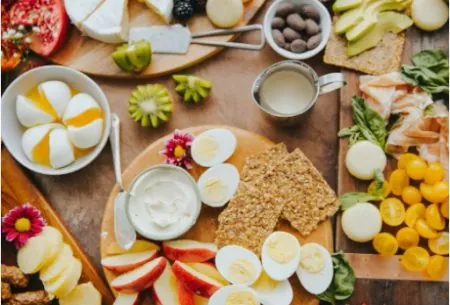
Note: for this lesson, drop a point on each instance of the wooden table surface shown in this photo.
(80, 197)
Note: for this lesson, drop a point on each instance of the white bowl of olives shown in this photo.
(297, 29)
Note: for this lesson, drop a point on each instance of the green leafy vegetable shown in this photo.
(343, 283)
(379, 182)
(430, 71)
(369, 125)
(349, 199)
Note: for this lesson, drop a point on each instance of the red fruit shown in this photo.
(49, 16)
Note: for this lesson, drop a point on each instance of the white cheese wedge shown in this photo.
(79, 10)
(161, 7)
(364, 158)
(361, 222)
(109, 23)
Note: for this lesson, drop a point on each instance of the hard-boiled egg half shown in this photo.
(315, 270)
(48, 145)
(218, 184)
(280, 255)
(238, 265)
(271, 292)
(234, 294)
(213, 147)
(84, 120)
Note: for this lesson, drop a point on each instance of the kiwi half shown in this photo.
(150, 105)
(192, 88)
(133, 57)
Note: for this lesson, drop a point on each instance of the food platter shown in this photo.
(94, 57)
(204, 230)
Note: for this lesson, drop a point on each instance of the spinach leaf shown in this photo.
(349, 199)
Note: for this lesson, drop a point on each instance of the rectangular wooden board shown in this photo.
(367, 264)
(17, 189)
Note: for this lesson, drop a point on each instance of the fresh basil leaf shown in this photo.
(379, 183)
(348, 200)
(327, 296)
(377, 126)
(368, 122)
(428, 58)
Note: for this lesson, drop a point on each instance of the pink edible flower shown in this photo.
(177, 150)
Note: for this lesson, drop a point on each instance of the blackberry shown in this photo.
(183, 10)
(200, 5)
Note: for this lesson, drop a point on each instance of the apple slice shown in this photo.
(66, 282)
(141, 278)
(139, 246)
(189, 251)
(210, 270)
(198, 300)
(196, 281)
(126, 262)
(128, 299)
(54, 242)
(82, 294)
(168, 290)
(33, 255)
(60, 263)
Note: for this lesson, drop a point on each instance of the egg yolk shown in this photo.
(265, 283)
(40, 101)
(41, 151)
(214, 190)
(85, 118)
(240, 298)
(81, 152)
(281, 248)
(311, 259)
(241, 271)
(206, 148)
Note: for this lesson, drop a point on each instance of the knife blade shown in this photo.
(173, 39)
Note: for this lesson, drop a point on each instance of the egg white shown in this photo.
(61, 150)
(226, 141)
(79, 104)
(57, 93)
(229, 254)
(221, 295)
(316, 283)
(29, 114)
(282, 294)
(228, 174)
(86, 136)
(275, 270)
(33, 137)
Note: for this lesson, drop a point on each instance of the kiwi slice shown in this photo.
(150, 105)
(133, 57)
(192, 88)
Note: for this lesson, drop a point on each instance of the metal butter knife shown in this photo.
(123, 230)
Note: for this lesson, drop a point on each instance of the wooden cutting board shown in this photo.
(204, 230)
(17, 189)
(94, 57)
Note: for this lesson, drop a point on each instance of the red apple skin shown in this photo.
(193, 283)
(194, 255)
(143, 282)
(185, 296)
(131, 266)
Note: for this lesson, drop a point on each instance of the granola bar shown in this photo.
(14, 276)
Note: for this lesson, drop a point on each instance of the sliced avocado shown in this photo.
(344, 5)
(387, 21)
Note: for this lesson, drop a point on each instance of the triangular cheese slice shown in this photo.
(80, 10)
(162, 8)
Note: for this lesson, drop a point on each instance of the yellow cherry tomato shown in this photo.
(398, 181)
(414, 213)
(385, 244)
(411, 195)
(416, 169)
(434, 173)
(437, 267)
(424, 229)
(415, 259)
(392, 211)
(386, 188)
(407, 238)
(434, 218)
(427, 191)
(404, 159)
(440, 244)
(440, 190)
(444, 208)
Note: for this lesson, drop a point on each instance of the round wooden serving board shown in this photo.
(94, 57)
(204, 230)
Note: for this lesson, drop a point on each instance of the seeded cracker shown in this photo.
(258, 165)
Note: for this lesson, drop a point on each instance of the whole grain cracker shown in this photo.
(258, 165)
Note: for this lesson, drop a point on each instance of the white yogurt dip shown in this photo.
(163, 203)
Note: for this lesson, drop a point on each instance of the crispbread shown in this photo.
(384, 58)
(257, 165)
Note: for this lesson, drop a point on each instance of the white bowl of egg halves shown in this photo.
(55, 120)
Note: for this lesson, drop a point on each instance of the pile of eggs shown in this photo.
(62, 125)
(266, 281)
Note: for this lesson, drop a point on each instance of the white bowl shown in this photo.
(325, 25)
(12, 130)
